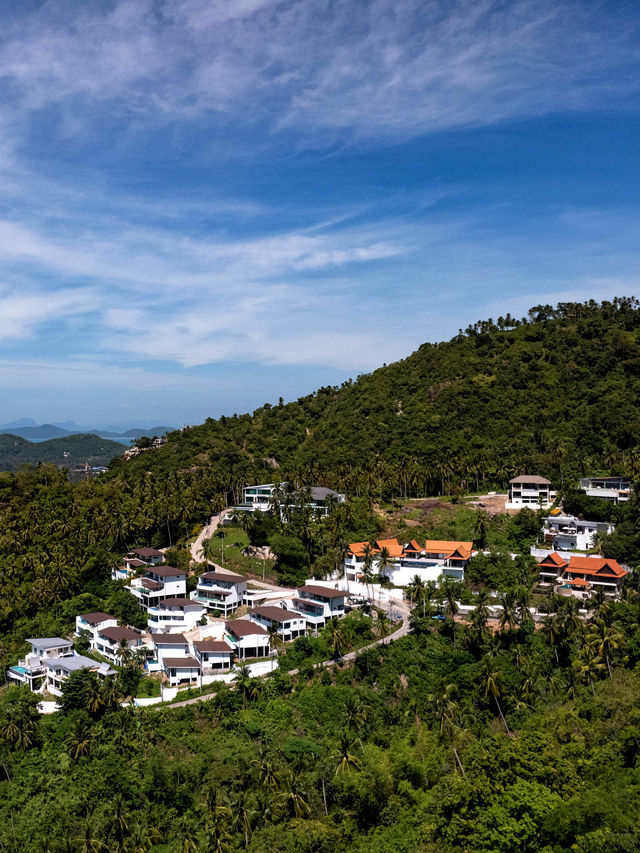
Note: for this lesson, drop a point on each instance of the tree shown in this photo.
(81, 737)
(384, 560)
(295, 799)
(242, 680)
(449, 590)
(603, 639)
(445, 710)
(492, 684)
(336, 637)
(275, 639)
(347, 759)
(19, 718)
(587, 666)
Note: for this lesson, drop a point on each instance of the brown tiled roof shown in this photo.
(181, 663)
(134, 563)
(146, 552)
(324, 591)
(165, 571)
(147, 583)
(96, 618)
(275, 614)
(530, 479)
(117, 634)
(212, 646)
(244, 627)
(177, 602)
(169, 639)
(224, 576)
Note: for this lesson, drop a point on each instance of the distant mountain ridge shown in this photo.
(27, 428)
(70, 451)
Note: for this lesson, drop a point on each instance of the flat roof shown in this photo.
(49, 642)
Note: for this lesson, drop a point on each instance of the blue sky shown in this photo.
(208, 204)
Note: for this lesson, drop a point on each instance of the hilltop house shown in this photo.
(137, 559)
(318, 604)
(615, 489)
(264, 497)
(429, 561)
(175, 614)
(568, 533)
(111, 641)
(90, 624)
(220, 591)
(530, 490)
(213, 655)
(181, 670)
(585, 573)
(247, 639)
(32, 670)
(289, 624)
(59, 669)
(158, 584)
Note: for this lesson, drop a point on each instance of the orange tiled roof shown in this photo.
(413, 546)
(444, 546)
(578, 582)
(554, 559)
(357, 548)
(394, 548)
(596, 566)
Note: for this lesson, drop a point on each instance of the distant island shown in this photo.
(32, 431)
(78, 453)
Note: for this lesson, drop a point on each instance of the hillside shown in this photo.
(69, 451)
(556, 392)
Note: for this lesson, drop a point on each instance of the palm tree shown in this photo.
(295, 800)
(384, 560)
(356, 714)
(414, 590)
(367, 566)
(383, 623)
(493, 686)
(347, 759)
(449, 589)
(337, 639)
(216, 836)
(603, 639)
(587, 666)
(444, 710)
(275, 640)
(81, 738)
(242, 679)
(509, 615)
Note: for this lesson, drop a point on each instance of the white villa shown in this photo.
(247, 639)
(530, 490)
(182, 670)
(260, 498)
(213, 655)
(429, 561)
(318, 604)
(175, 614)
(220, 591)
(89, 625)
(158, 584)
(568, 533)
(136, 559)
(290, 624)
(616, 489)
(32, 670)
(59, 669)
(110, 642)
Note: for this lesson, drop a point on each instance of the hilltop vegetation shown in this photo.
(557, 392)
(69, 451)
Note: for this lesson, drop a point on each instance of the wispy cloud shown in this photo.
(367, 68)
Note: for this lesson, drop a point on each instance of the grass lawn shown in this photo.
(149, 687)
(228, 543)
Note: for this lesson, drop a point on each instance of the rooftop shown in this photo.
(212, 646)
(229, 577)
(275, 614)
(146, 552)
(244, 628)
(120, 633)
(321, 591)
(49, 642)
(181, 663)
(178, 602)
(165, 571)
(96, 618)
(531, 479)
(169, 639)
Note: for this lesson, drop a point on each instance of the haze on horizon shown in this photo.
(207, 205)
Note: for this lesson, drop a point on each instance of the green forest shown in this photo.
(482, 736)
(69, 452)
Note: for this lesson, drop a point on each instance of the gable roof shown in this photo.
(596, 566)
(553, 560)
(146, 552)
(448, 547)
(394, 548)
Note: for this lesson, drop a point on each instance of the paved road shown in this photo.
(207, 531)
(402, 631)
